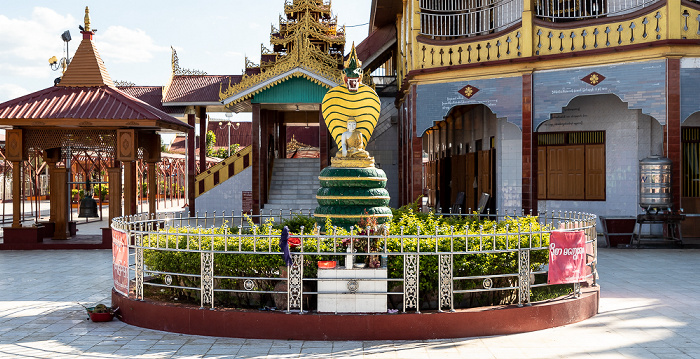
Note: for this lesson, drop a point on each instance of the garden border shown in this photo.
(473, 322)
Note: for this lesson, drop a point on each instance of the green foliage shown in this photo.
(223, 152)
(229, 264)
(210, 141)
(103, 190)
(75, 192)
(295, 223)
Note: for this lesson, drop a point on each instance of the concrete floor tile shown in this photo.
(648, 309)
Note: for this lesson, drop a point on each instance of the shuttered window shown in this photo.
(571, 165)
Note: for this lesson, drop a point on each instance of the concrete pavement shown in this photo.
(650, 308)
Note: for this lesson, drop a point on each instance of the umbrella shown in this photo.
(284, 246)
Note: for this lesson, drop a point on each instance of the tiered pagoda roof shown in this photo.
(308, 43)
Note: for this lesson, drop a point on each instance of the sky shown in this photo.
(134, 37)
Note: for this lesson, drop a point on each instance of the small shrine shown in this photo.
(352, 188)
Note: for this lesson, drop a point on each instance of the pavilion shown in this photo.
(85, 110)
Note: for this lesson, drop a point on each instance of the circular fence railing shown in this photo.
(436, 263)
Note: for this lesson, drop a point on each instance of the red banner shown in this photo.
(567, 257)
(120, 262)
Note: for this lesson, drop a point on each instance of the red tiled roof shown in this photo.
(197, 88)
(179, 144)
(85, 96)
(104, 104)
(153, 96)
(372, 44)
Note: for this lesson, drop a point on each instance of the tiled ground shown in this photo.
(649, 309)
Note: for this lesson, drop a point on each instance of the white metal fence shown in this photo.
(198, 239)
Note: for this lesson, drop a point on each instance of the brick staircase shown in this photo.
(293, 186)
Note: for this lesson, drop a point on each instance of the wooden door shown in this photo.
(595, 172)
(470, 170)
(459, 181)
(485, 173)
(542, 172)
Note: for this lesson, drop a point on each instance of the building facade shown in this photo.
(544, 105)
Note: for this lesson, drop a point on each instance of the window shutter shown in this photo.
(595, 172)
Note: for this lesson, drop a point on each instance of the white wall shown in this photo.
(227, 196)
(509, 168)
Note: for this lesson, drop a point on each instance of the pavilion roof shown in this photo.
(152, 95)
(307, 44)
(85, 107)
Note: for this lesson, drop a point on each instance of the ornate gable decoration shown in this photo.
(468, 91)
(177, 70)
(308, 38)
(593, 78)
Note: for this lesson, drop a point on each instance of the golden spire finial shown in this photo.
(87, 19)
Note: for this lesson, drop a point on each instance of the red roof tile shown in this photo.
(197, 88)
(153, 96)
(372, 44)
(82, 103)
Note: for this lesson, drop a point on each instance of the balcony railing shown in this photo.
(571, 10)
(473, 17)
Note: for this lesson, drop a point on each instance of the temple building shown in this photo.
(544, 105)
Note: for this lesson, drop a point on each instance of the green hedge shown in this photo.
(405, 221)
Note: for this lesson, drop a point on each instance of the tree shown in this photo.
(211, 140)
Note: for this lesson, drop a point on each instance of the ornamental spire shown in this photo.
(87, 19)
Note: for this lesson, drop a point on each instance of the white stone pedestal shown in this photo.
(350, 290)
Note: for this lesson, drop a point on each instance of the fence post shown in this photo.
(207, 278)
(410, 282)
(523, 277)
(138, 241)
(295, 288)
(445, 276)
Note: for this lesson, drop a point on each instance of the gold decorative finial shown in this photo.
(87, 19)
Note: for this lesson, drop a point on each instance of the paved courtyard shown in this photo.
(650, 308)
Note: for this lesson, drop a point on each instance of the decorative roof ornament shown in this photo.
(86, 68)
(87, 19)
(352, 73)
(308, 44)
(119, 83)
(180, 71)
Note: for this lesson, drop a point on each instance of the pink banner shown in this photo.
(120, 262)
(567, 257)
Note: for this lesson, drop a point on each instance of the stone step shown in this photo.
(301, 182)
(294, 175)
(297, 163)
(293, 185)
(292, 199)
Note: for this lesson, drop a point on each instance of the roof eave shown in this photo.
(270, 81)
